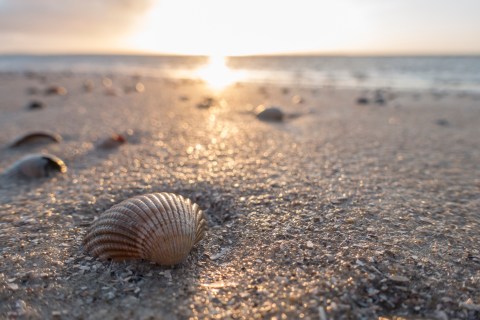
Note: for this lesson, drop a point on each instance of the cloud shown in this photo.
(50, 20)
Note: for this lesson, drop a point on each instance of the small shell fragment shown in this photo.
(35, 166)
(55, 90)
(114, 141)
(160, 227)
(35, 138)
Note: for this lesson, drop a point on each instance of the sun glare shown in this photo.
(217, 74)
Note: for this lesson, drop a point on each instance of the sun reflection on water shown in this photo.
(217, 74)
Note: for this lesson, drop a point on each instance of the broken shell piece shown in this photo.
(273, 114)
(160, 227)
(35, 138)
(36, 166)
(114, 141)
(56, 90)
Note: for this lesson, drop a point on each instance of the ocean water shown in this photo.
(439, 73)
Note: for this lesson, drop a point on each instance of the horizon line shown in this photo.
(274, 54)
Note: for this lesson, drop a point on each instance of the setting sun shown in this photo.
(217, 74)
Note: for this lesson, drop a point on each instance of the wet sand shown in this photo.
(342, 211)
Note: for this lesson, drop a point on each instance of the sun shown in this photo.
(217, 74)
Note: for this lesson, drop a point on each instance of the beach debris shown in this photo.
(137, 87)
(206, 103)
(107, 82)
(88, 85)
(469, 305)
(442, 122)
(55, 90)
(285, 91)
(183, 97)
(35, 138)
(159, 227)
(113, 141)
(380, 98)
(296, 99)
(35, 166)
(272, 114)
(35, 105)
(363, 100)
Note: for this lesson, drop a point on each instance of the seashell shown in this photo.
(160, 227)
(273, 114)
(56, 90)
(36, 166)
(114, 141)
(35, 105)
(296, 99)
(35, 138)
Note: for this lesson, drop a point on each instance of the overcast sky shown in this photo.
(240, 27)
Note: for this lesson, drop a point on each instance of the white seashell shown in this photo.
(35, 166)
(160, 227)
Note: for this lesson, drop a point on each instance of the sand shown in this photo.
(342, 211)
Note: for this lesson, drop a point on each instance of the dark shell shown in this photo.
(35, 138)
(36, 166)
(272, 114)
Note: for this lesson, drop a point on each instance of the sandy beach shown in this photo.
(341, 211)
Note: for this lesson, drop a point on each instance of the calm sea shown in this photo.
(449, 73)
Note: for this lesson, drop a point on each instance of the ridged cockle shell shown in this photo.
(160, 227)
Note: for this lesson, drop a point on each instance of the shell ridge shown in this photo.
(137, 210)
(158, 227)
(169, 221)
(200, 223)
(190, 220)
(109, 230)
(172, 201)
(141, 204)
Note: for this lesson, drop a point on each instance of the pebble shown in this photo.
(442, 122)
(399, 279)
(469, 305)
(12, 286)
(363, 100)
(35, 105)
(273, 114)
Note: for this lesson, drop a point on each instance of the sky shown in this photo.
(232, 27)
